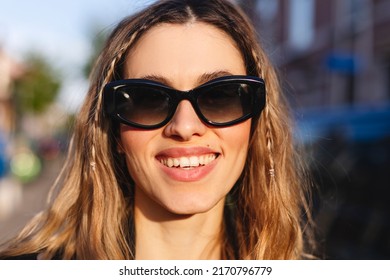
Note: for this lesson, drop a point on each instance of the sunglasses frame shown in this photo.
(110, 105)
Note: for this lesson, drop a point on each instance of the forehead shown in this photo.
(183, 50)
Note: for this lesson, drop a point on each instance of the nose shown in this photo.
(185, 123)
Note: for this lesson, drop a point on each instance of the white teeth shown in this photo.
(184, 162)
(187, 162)
(194, 161)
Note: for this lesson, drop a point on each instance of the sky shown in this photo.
(61, 30)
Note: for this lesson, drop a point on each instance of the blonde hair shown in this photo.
(90, 215)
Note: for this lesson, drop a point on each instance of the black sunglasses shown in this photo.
(220, 102)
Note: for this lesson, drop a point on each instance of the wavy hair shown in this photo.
(90, 214)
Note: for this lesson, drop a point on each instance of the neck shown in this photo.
(161, 234)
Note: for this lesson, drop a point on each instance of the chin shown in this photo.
(192, 206)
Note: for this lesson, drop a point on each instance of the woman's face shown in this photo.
(183, 57)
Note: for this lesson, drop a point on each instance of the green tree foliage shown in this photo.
(39, 86)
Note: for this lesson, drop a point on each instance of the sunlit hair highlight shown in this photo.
(90, 213)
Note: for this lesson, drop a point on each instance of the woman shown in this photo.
(178, 151)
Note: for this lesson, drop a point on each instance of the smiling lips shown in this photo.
(187, 164)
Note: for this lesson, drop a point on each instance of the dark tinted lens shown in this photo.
(225, 103)
(142, 105)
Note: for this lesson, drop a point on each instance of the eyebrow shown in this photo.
(205, 77)
(212, 75)
(157, 78)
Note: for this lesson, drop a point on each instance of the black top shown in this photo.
(23, 257)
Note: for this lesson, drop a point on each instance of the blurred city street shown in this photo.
(333, 60)
(26, 199)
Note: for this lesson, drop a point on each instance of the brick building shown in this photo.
(328, 52)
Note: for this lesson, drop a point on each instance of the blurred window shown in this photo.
(301, 24)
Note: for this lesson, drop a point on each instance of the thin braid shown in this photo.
(95, 124)
(99, 100)
(268, 134)
(269, 143)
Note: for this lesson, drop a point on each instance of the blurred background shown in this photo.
(333, 58)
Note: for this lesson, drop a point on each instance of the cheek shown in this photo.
(132, 139)
(236, 138)
(129, 143)
(135, 145)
